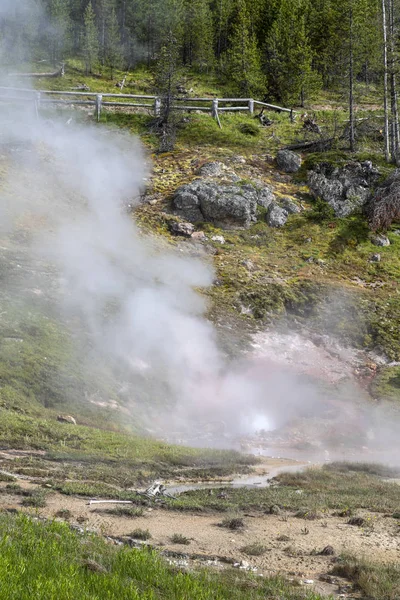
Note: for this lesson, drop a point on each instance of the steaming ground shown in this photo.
(70, 251)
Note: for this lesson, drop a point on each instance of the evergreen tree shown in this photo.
(198, 35)
(91, 41)
(289, 57)
(113, 49)
(243, 59)
(58, 30)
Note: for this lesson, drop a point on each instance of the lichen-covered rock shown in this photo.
(347, 189)
(276, 216)
(288, 161)
(226, 206)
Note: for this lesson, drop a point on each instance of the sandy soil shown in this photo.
(294, 555)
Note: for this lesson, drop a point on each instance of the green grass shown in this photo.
(324, 491)
(48, 560)
(377, 581)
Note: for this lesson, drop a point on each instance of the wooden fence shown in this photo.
(214, 106)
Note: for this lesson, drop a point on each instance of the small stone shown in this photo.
(308, 581)
(218, 238)
(92, 565)
(153, 202)
(375, 258)
(380, 240)
(66, 419)
(212, 169)
(327, 551)
(185, 229)
(274, 510)
(199, 236)
(248, 264)
(290, 207)
(244, 564)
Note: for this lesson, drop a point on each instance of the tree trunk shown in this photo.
(393, 91)
(351, 86)
(385, 81)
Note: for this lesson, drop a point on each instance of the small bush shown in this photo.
(63, 513)
(178, 538)
(141, 534)
(283, 538)
(249, 129)
(232, 523)
(123, 511)
(309, 515)
(255, 549)
(36, 500)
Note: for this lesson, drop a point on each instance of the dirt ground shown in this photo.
(292, 544)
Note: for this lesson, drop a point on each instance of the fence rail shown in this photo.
(97, 100)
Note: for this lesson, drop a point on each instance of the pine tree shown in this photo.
(289, 57)
(243, 59)
(58, 30)
(198, 35)
(113, 49)
(91, 41)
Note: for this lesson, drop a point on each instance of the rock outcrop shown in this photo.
(347, 189)
(229, 204)
(224, 205)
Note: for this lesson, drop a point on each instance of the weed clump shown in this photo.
(178, 538)
(255, 549)
(123, 511)
(63, 513)
(36, 500)
(141, 534)
(234, 523)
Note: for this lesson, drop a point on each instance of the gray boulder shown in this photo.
(276, 216)
(288, 161)
(347, 189)
(224, 205)
(265, 197)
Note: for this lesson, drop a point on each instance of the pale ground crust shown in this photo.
(293, 558)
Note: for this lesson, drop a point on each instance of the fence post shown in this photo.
(99, 100)
(214, 108)
(291, 116)
(157, 107)
(214, 111)
(251, 106)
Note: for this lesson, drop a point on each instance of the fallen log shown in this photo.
(59, 73)
(313, 146)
